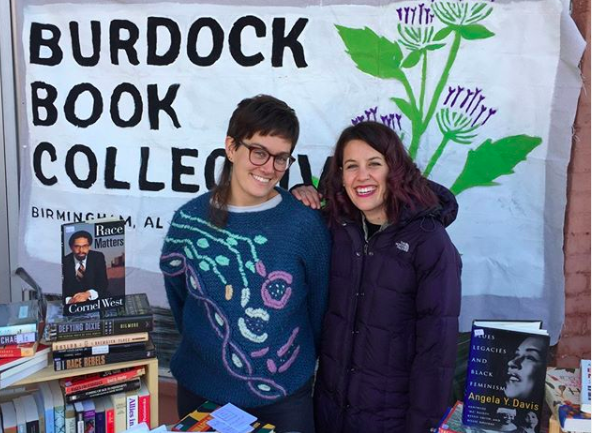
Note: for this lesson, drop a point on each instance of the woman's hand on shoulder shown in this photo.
(308, 195)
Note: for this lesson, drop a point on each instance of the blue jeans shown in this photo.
(293, 413)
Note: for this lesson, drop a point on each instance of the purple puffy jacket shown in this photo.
(389, 335)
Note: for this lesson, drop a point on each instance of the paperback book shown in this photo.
(506, 375)
(98, 350)
(111, 377)
(146, 351)
(131, 385)
(197, 421)
(562, 386)
(93, 266)
(134, 317)
(586, 389)
(18, 318)
(573, 419)
(452, 422)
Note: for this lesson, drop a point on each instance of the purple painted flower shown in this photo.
(464, 111)
(411, 15)
(392, 120)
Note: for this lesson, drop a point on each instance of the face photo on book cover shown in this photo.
(512, 420)
(525, 369)
(89, 272)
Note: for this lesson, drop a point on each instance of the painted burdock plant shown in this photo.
(459, 111)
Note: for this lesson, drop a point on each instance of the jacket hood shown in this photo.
(445, 212)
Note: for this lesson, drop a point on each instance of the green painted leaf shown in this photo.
(260, 239)
(475, 31)
(205, 266)
(231, 241)
(443, 33)
(412, 59)
(494, 159)
(222, 260)
(188, 253)
(434, 47)
(315, 182)
(250, 266)
(372, 54)
(405, 108)
(203, 243)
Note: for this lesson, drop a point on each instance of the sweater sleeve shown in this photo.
(438, 268)
(172, 265)
(317, 259)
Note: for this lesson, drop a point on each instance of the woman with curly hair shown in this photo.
(389, 337)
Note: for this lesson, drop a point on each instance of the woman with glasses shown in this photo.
(246, 274)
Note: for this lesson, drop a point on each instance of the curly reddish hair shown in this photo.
(405, 185)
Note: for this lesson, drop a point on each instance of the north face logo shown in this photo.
(403, 246)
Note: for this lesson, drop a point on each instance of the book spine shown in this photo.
(13, 351)
(99, 341)
(89, 421)
(586, 387)
(131, 409)
(104, 381)
(110, 420)
(28, 337)
(99, 328)
(97, 350)
(144, 409)
(32, 426)
(107, 390)
(92, 361)
(119, 407)
(79, 417)
(70, 419)
(100, 422)
(25, 328)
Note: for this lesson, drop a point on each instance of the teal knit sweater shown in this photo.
(248, 299)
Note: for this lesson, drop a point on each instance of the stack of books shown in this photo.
(562, 394)
(20, 352)
(112, 413)
(101, 338)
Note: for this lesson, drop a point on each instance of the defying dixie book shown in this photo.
(506, 376)
(135, 316)
(93, 266)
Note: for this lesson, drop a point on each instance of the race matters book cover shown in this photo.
(93, 266)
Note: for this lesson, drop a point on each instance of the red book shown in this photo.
(73, 385)
(18, 350)
(144, 405)
(110, 420)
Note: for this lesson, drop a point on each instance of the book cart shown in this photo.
(151, 376)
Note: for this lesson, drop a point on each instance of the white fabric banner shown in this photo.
(124, 109)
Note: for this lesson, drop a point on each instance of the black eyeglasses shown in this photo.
(259, 156)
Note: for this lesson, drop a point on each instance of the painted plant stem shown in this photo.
(424, 71)
(405, 82)
(436, 156)
(414, 147)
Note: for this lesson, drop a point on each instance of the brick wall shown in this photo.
(575, 338)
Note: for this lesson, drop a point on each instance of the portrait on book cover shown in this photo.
(93, 262)
(525, 368)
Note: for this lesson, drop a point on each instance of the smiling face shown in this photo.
(531, 420)
(364, 178)
(524, 368)
(250, 184)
